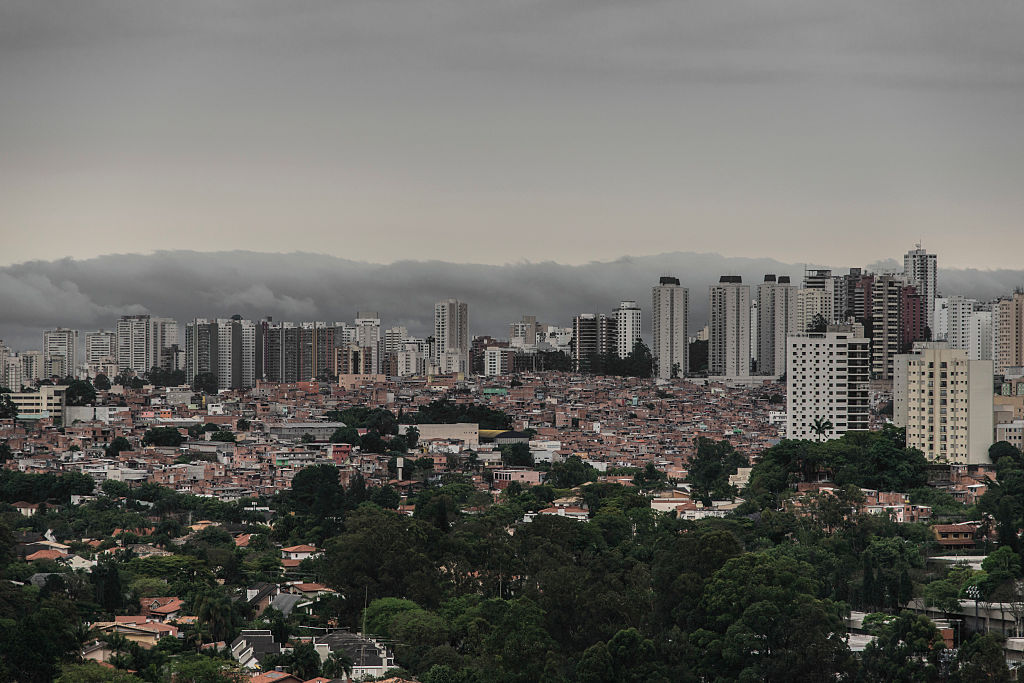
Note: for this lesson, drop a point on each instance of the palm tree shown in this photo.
(338, 664)
(821, 427)
(215, 611)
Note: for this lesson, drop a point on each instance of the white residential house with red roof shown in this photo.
(299, 552)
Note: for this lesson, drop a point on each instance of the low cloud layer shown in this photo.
(91, 294)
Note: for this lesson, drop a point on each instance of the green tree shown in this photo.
(349, 435)
(698, 356)
(101, 382)
(516, 455)
(205, 382)
(93, 672)
(712, 465)
(162, 436)
(200, 669)
(908, 649)
(818, 324)
(980, 658)
(764, 622)
(115, 488)
(118, 444)
(80, 393)
(571, 472)
(379, 614)
(215, 610)
(1005, 449)
(337, 665)
(821, 427)
(7, 408)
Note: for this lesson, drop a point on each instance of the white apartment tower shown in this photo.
(60, 348)
(368, 335)
(811, 303)
(627, 327)
(134, 343)
(979, 336)
(729, 328)
(827, 380)
(395, 339)
(236, 357)
(920, 270)
(777, 319)
(669, 310)
(451, 336)
(100, 347)
(951, 320)
(944, 400)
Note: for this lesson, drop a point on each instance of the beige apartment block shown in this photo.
(944, 400)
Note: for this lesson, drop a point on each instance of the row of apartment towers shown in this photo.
(240, 352)
(747, 334)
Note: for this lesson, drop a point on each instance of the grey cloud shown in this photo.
(92, 293)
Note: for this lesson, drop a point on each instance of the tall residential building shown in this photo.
(498, 361)
(729, 328)
(10, 368)
(12, 371)
(979, 336)
(817, 278)
(353, 359)
(593, 334)
(202, 348)
(810, 304)
(754, 322)
(410, 361)
(524, 333)
(368, 335)
(317, 344)
(135, 343)
(33, 366)
(164, 340)
(451, 334)
(627, 327)
(395, 339)
(60, 348)
(100, 347)
(920, 270)
(951, 320)
(225, 347)
(777, 319)
(913, 318)
(670, 306)
(827, 380)
(236, 359)
(898, 320)
(1008, 332)
(944, 400)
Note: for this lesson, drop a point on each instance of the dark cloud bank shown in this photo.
(92, 293)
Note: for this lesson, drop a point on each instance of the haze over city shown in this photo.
(498, 132)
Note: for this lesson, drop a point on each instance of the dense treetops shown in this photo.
(468, 592)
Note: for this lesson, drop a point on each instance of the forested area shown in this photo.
(465, 591)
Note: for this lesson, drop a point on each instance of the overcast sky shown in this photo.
(500, 131)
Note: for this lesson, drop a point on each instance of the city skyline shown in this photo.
(92, 293)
